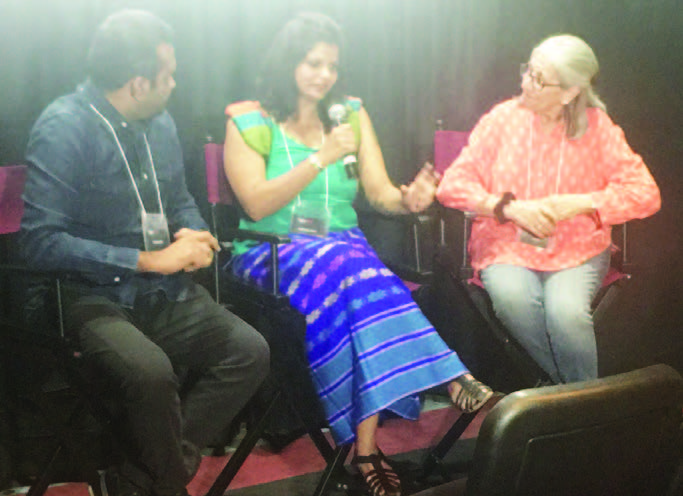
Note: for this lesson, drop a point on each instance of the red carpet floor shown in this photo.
(395, 436)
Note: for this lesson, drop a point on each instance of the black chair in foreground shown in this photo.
(616, 436)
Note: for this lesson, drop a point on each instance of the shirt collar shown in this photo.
(95, 96)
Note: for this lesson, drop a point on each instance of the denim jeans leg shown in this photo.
(569, 321)
(516, 293)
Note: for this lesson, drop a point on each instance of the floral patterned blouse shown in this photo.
(507, 151)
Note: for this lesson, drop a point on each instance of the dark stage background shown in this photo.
(412, 62)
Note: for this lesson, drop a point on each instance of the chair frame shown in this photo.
(613, 283)
(220, 193)
(56, 343)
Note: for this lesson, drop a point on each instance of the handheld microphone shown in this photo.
(337, 114)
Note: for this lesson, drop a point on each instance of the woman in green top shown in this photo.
(369, 346)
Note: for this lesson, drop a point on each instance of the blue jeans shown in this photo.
(549, 313)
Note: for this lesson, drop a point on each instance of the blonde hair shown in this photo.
(576, 65)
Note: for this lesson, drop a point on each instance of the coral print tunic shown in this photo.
(508, 151)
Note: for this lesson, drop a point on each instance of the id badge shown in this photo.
(527, 238)
(310, 218)
(155, 231)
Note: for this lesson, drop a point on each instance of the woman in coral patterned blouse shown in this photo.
(548, 173)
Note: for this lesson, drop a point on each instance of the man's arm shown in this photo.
(190, 251)
(58, 158)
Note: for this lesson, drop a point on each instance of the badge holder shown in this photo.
(310, 218)
(527, 238)
(351, 167)
(155, 231)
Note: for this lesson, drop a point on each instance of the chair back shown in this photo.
(218, 188)
(447, 146)
(12, 179)
(618, 435)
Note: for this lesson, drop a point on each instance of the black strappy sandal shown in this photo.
(472, 394)
(380, 480)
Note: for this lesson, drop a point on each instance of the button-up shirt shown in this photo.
(82, 214)
(508, 151)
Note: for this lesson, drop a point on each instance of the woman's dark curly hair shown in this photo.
(276, 85)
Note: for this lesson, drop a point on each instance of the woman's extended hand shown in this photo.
(534, 216)
(420, 193)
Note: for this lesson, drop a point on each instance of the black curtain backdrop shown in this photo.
(412, 62)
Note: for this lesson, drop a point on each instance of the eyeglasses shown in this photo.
(536, 79)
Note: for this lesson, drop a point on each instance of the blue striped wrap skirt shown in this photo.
(369, 346)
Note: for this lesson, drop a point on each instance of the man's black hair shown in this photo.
(125, 47)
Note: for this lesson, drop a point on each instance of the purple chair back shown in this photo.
(447, 147)
(12, 179)
(217, 186)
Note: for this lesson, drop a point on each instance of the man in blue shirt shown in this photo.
(106, 203)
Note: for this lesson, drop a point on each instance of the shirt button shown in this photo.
(144, 176)
(117, 279)
(124, 124)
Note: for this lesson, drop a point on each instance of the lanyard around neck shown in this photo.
(560, 162)
(130, 172)
(291, 166)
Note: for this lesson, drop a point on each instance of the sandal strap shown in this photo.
(379, 479)
(384, 458)
(375, 459)
(473, 394)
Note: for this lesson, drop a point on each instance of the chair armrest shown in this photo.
(23, 270)
(57, 278)
(415, 264)
(15, 332)
(264, 237)
(620, 259)
(420, 270)
(274, 240)
(466, 270)
(455, 230)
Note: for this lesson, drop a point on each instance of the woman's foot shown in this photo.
(378, 474)
(468, 394)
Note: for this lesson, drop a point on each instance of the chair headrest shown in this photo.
(217, 186)
(12, 180)
(447, 147)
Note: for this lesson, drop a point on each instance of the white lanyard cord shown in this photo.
(560, 163)
(130, 172)
(291, 166)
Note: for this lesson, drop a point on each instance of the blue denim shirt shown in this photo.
(82, 215)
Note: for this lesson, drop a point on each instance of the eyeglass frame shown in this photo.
(539, 84)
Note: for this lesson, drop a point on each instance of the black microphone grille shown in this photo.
(337, 112)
